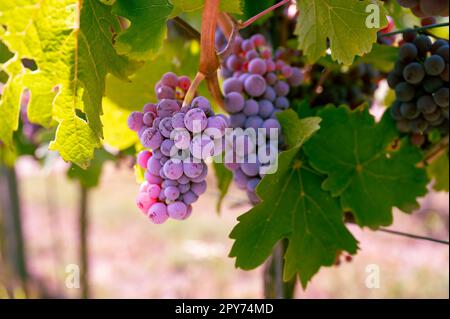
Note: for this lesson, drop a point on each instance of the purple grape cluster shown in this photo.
(178, 140)
(426, 8)
(420, 80)
(256, 88)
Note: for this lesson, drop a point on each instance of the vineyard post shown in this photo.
(274, 285)
(83, 224)
(15, 255)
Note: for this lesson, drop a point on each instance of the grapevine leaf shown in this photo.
(294, 207)
(90, 177)
(10, 102)
(116, 131)
(342, 23)
(363, 168)
(71, 42)
(439, 171)
(224, 178)
(143, 39)
(382, 57)
(230, 6)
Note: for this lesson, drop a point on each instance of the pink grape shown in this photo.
(158, 213)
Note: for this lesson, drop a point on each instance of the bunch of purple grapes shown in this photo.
(426, 8)
(256, 88)
(420, 80)
(178, 140)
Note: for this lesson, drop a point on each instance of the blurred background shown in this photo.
(129, 257)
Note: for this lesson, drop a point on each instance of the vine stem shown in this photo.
(322, 80)
(209, 61)
(187, 27)
(190, 94)
(419, 29)
(263, 13)
(435, 151)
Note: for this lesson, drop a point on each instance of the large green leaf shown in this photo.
(363, 168)
(341, 22)
(382, 57)
(294, 206)
(439, 171)
(71, 42)
(145, 35)
(10, 102)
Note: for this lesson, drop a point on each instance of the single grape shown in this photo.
(158, 213)
(135, 121)
(171, 193)
(426, 104)
(143, 202)
(257, 66)
(441, 97)
(434, 65)
(178, 121)
(177, 210)
(414, 73)
(189, 198)
(254, 122)
(195, 120)
(165, 92)
(193, 170)
(282, 103)
(184, 83)
(409, 110)
(255, 85)
(423, 44)
(251, 107)
(151, 138)
(432, 83)
(198, 188)
(265, 108)
(404, 92)
(232, 85)
(154, 190)
(443, 52)
(165, 127)
(173, 170)
(408, 52)
(143, 157)
(234, 102)
(170, 79)
(270, 94)
(166, 147)
(281, 88)
(167, 108)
